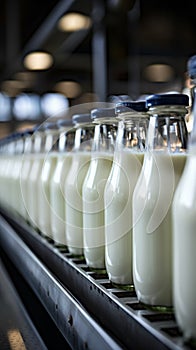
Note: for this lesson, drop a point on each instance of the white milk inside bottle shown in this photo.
(27, 160)
(127, 163)
(73, 185)
(15, 191)
(9, 171)
(57, 199)
(3, 166)
(44, 204)
(94, 186)
(8, 159)
(7, 156)
(184, 223)
(163, 165)
(184, 235)
(34, 176)
(25, 170)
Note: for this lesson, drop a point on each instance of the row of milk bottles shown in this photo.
(107, 186)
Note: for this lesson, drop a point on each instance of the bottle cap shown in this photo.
(167, 99)
(103, 113)
(81, 118)
(51, 125)
(65, 123)
(126, 106)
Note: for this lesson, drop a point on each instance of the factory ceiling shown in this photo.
(108, 58)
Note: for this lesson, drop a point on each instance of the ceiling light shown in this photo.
(70, 89)
(159, 73)
(27, 107)
(38, 60)
(53, 104)
(74, 21)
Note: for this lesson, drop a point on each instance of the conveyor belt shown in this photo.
(16, 328)
(118, 320)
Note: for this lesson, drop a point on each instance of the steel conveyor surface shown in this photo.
(85, 306)
(16, 328)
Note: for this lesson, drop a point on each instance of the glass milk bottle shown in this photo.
(9, 172)
(48, 167)
(9, 175)
(127, 163)
(184, 238)
(163, 165)
(57, 200)
(38, 157)
(27, 160)
(4, 164)
(73, 185)
(26, 143)
(15, 191)
(6, 170)
(94, 185)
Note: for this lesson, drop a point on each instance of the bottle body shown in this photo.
(184, 240)
(33, 189)
(13, 173)
(81, 156)
(24, 178)
(57, 199)
(16, 198)
(127, 163)
(44, 201)
(58, 179)
(184, 237)
(27, 160)
(37, 161)
(94, 185)
(163, 165)
(38, 189)
(7, 159)
(152, 239)
(118, 215)
(93, 209)
(73, 201)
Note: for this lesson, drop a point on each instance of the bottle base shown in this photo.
(76, 252)
(61, 247)
(99, 270)
(158, 308)
(128, 287)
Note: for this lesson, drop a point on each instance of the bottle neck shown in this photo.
(19, 146)
(52, 141)
(167, 129)
(132, 133)
(105, 137)
(66, 140)
(28, 144)
(11, 148)
(192, 142)
(84, 135)
(38, 142)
